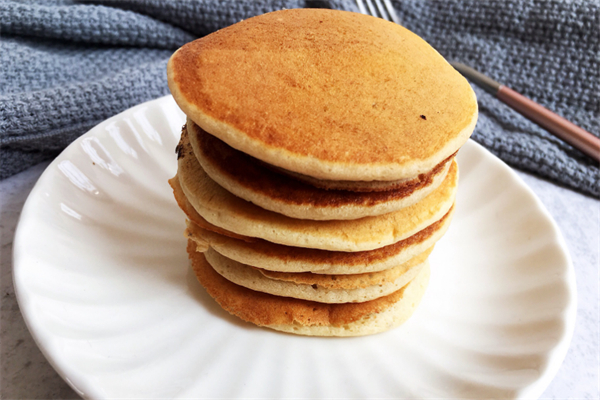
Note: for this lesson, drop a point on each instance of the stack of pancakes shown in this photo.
(316, 167)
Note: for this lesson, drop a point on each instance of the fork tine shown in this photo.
(391, 11)
(388, 12)
(371, 8)
(382, 11)
(361, 7)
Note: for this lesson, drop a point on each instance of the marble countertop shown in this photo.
(25, 373)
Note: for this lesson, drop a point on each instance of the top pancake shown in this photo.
(329, 94)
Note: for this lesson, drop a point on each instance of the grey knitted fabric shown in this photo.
(67, 66)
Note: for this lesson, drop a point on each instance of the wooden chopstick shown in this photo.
(553, 123)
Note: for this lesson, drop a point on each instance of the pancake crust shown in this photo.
(193, 215)
(360, 186)
(329, 94)
(222, 209)
(353, 289)
(243, 176)
(353, 281)
(308, 317)
(276, 257)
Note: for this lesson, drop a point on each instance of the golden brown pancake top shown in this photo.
(329, 94)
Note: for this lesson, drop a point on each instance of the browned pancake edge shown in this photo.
(266, 310)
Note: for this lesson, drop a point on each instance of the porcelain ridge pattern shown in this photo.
(101, 282)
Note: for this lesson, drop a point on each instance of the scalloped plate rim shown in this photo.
(82, 384)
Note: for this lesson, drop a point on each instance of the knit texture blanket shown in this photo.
(66, 66)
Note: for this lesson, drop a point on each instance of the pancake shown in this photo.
(275, 257)
(355, 288)
(250, 180)
(305, 317)
(329, 94)
(361, 186)
(197, 219)
(224, 210)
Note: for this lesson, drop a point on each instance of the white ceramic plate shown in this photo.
(103, 282)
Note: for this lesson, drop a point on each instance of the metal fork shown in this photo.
(381, 9)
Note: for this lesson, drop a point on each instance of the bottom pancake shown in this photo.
(305, 317)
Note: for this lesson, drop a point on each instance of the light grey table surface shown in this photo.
(25, 373)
